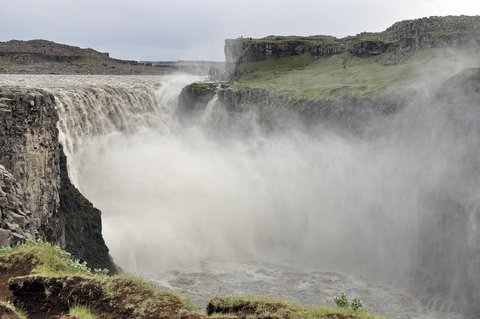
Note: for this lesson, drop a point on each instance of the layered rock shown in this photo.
(53, 208)
(272, 108)
(17, 223)
(402, 36)
(29, 149)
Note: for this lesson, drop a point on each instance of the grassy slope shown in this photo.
(126, 292)
(261, 307)
(307, 77)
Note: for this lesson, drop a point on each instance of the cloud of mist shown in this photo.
(397, 202)
(170, 30)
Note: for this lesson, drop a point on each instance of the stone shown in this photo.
(5, 237)
(19, 220)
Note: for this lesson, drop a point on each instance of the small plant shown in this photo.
(356, 304)
(342, 302)
(101, 271)
(81, 312)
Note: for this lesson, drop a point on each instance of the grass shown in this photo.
(132, 296)
(46, 259)
(81, 312)
(262, 307)
(6, 305)
(344, 75)
(282, 40)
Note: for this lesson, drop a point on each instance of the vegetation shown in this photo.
(259, 307)
(128, 296)
(9, 309)
(345, 75)
(81, 312)
(342, 301)
(44, 258)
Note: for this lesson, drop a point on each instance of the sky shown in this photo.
(160, 30)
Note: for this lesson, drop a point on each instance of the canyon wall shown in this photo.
(53, 209)
(401, 37)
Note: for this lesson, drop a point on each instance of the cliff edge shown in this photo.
(44, 204)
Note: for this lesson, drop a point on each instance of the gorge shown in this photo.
(258, 186)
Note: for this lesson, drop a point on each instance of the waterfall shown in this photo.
(397, 205)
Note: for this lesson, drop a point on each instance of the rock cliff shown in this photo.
(401, 37)
(44, 204)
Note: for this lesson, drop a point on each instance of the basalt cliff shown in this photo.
(38, 200)
(342, 80)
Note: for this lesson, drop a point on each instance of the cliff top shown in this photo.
(47, 57)
(401, 36)
(409, 53)
(402, 29)
(47, 48)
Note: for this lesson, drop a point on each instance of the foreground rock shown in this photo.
(39, 201)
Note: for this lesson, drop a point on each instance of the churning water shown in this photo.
(220, 205)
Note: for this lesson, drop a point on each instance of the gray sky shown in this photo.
(195, 29)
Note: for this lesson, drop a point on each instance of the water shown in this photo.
(222, 206)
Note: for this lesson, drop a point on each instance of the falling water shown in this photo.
(303, 213)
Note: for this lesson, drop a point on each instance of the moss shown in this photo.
(45, 258)
(130, 296)
(345, 75)
(201, 87)
(261, 307)
(7, 310)
(81, 312)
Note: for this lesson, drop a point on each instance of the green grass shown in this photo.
(140, 297)
(282, 40)
(344, 75)
(8, 305)
(46, 259)
(262, 307)
(81, 312)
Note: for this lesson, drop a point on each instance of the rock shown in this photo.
(5, 237)
(194, 98)
(403, 36)
(37, 198)
(19, 220)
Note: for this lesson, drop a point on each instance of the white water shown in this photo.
(208, 207)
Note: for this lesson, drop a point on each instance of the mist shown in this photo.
(396, 202)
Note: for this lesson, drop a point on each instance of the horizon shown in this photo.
(142, 31)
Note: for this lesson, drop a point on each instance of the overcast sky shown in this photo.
(195, 29)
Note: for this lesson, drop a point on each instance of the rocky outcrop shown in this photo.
(272, 108)
(194, 98)
(401, 37)
(53, 209)
(29, 149)
(16, 222)
(47, 57)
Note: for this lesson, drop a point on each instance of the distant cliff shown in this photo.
(402, 36)
(47, 57)
(41, 203)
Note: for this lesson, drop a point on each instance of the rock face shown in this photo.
(272, 108)
(401, 37)
(45, 202)
(194, 98)
(47, 57)
(17, 223)
(29, 150)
